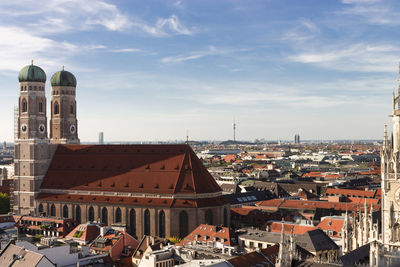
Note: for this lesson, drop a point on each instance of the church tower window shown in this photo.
(71, 109)
(40, 107)
(56, 108)
(132, 221)
(24, 105)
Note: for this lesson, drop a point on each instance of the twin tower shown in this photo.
(32, 106)
(33, 147)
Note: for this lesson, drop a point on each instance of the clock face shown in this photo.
(24, 128)
(42, 128)
(72, 129)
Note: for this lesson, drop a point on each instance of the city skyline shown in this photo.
(155, 70)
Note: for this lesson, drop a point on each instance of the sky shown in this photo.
(157, 70)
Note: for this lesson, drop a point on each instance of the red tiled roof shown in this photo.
(248, 260)
(161, 169)
(207, 232)
(89, 232)
(276, 227)
(331, 224)
(351, 192)
(275, 204)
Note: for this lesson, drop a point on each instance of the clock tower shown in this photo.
(31, 143)
(63, 122)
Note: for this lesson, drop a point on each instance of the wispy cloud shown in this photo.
(127, 50)
(211, 51)
(356, 57)
(302, 31)
(164, 27)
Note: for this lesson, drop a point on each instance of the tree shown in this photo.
(4, 203)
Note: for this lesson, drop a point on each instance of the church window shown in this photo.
(22, 88)
(183, 224)
(104, 216)
(52, 210)
(56, 108)
(225, 217)
(71, 109)
(91, 214)
(147, 222)
(118, 215)
(78, 214)
(24, 105)
(132, 221)
(65, 211)
(161, 224)
(40, 208)
(209, 217)
(40, 107)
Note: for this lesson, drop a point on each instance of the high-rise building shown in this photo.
(101, 138)
(297, 139)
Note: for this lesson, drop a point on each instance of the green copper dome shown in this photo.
(32, 73)
(63, 78)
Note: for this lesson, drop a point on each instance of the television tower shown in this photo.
(234, 130)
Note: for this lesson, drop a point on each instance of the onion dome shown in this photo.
(32, 73)
(63, 78)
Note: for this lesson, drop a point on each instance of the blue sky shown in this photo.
(151, 70)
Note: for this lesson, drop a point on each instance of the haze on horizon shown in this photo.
(151, 70)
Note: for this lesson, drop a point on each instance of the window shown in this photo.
(24, 105)
(56, 108)
(40, 208)
(104, 216)
(161, 224)
(209, 217)
(183, 224)
(52, 210)
(71, 109)
(78, 214)
(65, 211)
(118, 215)
(260, 245)
(251, 244)
(91, 214)
(40, 107)
(225, 217)
(147, 222)
(132, 221)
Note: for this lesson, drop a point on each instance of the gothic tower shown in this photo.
(63, 122)
(390, 164)
(31, 143)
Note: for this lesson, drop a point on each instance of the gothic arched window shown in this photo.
(118, 218)
(161, 224)
(24, 105)
(132, 221)
(40, 208)
(65, 211)
(183, 224)
(56, 108)
(209, 217)
(147, 222)
(52, 210)
(104, 216)
(91, 214)
(225, 217)
(78, 214)
(40, 107)
(71, 109)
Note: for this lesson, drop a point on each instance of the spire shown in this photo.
(385, 136)
(393, 101)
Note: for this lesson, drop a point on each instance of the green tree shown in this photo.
(4, 203)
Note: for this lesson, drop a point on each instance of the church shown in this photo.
(160, 190)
